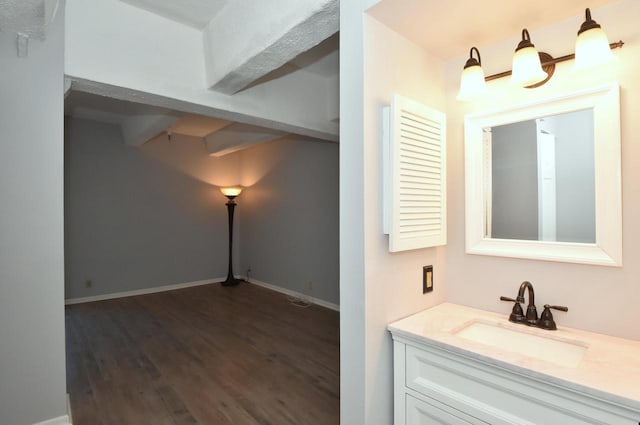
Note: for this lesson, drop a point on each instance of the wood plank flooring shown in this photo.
(208, 355)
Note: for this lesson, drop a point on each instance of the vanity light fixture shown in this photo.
(532, 68)
(527, 68)
(592, 45)
(472, 82)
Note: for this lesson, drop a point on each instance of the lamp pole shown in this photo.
(231, 193)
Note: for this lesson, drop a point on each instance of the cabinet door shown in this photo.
(414, 174)
(422, 413)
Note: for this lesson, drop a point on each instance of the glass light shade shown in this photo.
(472, 83)
(527, 69)
(231, 191)
(592, 49)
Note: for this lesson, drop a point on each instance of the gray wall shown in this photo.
(515, 181)
(144, 217)
(290, 232)
(32, 362)
(134, 219)
(575, 176)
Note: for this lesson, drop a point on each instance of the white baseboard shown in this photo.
(173, 287)
(292, 293)
(142, 291)
(62, 420)
(69, 409)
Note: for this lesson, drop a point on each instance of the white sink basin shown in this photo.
(526, 341)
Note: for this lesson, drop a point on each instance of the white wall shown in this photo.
(142, 217)
(289, 209)
(32, 361)
(393, 281)
(353, 360)
(600, 299)
(377, 287)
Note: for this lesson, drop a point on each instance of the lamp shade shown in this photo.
(592, 45)
(526, 69)
(231, 192)
(472, 83)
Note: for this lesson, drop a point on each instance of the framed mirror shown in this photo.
(543, 179)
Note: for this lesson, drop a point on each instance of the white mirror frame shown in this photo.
(607, 249)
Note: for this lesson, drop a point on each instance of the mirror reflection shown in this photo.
(540, 179)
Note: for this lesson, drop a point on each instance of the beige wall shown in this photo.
(600, 299)
(393, 281)
(377, 287)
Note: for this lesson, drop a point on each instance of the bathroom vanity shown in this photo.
(459, 365)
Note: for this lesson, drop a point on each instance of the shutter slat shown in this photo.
(412, 147)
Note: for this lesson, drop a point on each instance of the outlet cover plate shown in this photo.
(427, 279)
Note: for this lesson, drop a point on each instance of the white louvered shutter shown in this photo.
(415, 213)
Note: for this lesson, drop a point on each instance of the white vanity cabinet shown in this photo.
(420, 412)
(439, 382)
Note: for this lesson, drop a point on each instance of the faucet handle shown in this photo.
(546, 318)
(503, 298)
(517, 315)
(557, 307)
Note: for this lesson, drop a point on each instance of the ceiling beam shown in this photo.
(164, 66)
(272, 34)
(138, 129)
(238, 136)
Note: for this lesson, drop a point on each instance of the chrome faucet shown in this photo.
(531, 318)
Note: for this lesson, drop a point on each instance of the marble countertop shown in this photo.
(609, 369)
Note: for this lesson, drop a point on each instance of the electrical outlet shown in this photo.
(310, 285)
(88, 283)
(427, 279)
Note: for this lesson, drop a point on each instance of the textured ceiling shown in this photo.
(448, 29)
(195, 13)
(29, 17)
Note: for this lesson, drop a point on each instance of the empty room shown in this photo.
(201, 252)
(200, 198)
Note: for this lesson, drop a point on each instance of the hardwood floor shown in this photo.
(207, 355)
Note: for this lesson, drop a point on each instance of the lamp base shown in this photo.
(231, 281)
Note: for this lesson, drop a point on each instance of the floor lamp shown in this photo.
(231, 193)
